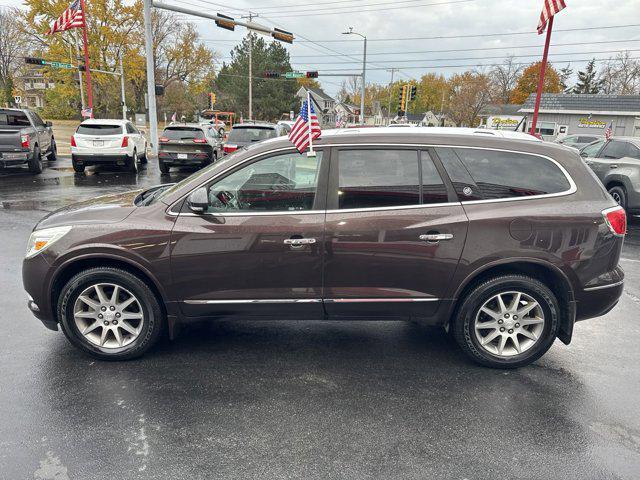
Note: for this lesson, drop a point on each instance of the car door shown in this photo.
(257, 249)
(392, 241)
(609, 159)
(44, 137)
(136, 137)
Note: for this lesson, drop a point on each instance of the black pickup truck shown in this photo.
(25, 139)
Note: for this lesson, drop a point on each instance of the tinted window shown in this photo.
(14, 119)
(433, 189)
(182, 133)
(592, 150)
(37, 120)
(284, 182)
(463, 184)
(507, 174)
(615, 149)
(250, 134)
(378, 178)
(96, 129)
(130, 128)
(586, 139)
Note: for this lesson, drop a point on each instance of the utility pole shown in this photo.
(250, 17)
(392, 70)
(124, 102)
(75, 39)
(151, 78)
(364, 71)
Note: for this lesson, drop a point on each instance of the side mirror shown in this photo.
(583, 154)
(49, 123)
(142, 132)
(198, 201)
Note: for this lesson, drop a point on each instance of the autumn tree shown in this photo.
(469, 94)
(308, 83)
(588, 81)
(14, 43)
(528, 82)
(504, 78)
(432, 93)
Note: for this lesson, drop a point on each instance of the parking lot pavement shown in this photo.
(313, 400)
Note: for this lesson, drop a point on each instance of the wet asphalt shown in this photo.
(308, 400)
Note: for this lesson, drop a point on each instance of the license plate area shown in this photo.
(98, 143)
(182, 156)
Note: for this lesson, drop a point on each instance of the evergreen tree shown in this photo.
(588, 81)
(565, 76)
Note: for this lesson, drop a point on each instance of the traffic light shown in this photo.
(282, 35)
(212, 99)
(312, 74)
(159, 90)
(414, 90)
(402, 99)
(34, 61)
(228, 23)
(270, 74)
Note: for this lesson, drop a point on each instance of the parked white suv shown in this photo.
(115, 142)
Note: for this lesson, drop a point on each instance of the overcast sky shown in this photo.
(386, 23)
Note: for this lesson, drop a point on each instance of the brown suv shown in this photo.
(503, 242)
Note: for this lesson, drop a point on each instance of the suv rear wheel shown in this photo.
(507, 321)
(164, 168)
(619, 194)
(110, 314)
(132, 162)
(77, 167)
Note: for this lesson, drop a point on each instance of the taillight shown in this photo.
(164, 139)
(73, 141)
(24, 141)
(199, 140)
(229, 148)
(616, 219)
(125, 142)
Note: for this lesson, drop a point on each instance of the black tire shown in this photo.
(463, 321)
(164, 168)
(143, 157)
(35, 161)
(619, 194)
(77, 167)
(132, 162)
(154, 318)
(53, 151)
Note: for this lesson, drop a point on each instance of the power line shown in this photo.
(289, 7)
(478, 35)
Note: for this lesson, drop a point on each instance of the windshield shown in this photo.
(13, 119)
(182, 133)
(251, 134)
(97, 129)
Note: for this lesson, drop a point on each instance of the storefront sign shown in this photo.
(586, 122)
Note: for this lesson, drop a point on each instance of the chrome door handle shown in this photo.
(298, 242)
(436, 237)
(613, 166)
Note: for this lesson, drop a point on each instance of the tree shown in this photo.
(308, 83)
(621, 75)
(588, 81)
(528, 82)
(469, 94)
(504, 78)
(431, 89)
(271, 97)
(565, 75)
(14, 43)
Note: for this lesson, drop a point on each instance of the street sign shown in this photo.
(42, 61)
(17, 99)
(295, 75)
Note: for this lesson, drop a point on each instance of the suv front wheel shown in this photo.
(110, 314)
(507, 321)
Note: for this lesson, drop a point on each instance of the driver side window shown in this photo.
(282, 183)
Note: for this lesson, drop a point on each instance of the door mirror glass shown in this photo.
(198, 201)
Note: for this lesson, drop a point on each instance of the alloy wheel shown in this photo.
(509, 323)
(108, 315)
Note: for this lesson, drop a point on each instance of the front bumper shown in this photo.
(35, 278)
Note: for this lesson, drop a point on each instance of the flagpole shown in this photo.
(543, 68)
(310, 153)
(86, 57)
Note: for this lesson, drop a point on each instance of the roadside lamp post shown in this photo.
(364, 71)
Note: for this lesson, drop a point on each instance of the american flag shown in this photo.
(72, 17)
(550, 8)
(299, 134)
(608, 133)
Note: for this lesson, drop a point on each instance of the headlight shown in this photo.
(42, 239)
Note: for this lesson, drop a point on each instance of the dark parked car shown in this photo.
(505, 243)
(25, 139)
(243, 134)
(188, 145)
(617, 165)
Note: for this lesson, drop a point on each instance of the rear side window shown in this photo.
(465, 187)
(97, 129)
(378, 178)
(14, 119)
(433, 189)
(182, 133)
(508, 174)
(251, 134)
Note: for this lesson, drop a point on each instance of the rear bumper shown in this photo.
(85, 159)
(171, 158)
(8, 159)
(597, 300)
